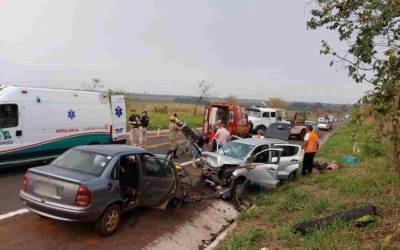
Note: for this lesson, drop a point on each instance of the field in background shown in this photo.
(160, 112)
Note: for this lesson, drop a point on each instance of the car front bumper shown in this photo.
(58, 212)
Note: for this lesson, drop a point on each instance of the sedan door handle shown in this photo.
(294, 160)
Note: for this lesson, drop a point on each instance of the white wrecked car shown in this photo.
(251, 161)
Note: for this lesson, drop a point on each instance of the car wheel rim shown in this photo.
(112, 220)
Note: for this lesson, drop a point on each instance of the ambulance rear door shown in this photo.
(118, 119)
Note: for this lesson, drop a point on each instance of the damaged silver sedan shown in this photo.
(99, 183)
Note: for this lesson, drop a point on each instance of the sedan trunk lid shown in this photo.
(54, 184)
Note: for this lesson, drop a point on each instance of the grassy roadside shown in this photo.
(268, 224)
(160, 112)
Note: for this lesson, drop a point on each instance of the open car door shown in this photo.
(290, 159)
(279, 130)
(159, 180)
(264, 173)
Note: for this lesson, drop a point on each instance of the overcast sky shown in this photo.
(251, 49)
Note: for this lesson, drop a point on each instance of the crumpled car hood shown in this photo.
(214, 158)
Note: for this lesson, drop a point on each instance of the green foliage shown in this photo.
(160, 112)
(293, 201)
(322, 205)
(371, 29)
(250, 213)
(246, 241)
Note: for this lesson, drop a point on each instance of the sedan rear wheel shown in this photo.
(109, 222)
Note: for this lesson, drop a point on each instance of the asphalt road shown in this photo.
(139, 227)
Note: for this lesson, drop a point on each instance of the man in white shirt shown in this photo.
(222, 135)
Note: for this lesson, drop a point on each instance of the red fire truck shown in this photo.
(234, 116)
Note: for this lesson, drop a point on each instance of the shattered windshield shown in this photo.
(236, 150)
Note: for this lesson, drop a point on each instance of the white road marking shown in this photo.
(14, 213)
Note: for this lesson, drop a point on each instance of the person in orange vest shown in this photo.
(310, 146)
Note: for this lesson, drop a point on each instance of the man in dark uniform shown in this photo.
(134, 120)
(144, 123)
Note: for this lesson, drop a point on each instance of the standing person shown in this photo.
(310, 146)
(173, 137)
(134, 120)
(175, 115)
(260, 134)
(211, 140)
(144, 123)
(197, 146)
(222, 135)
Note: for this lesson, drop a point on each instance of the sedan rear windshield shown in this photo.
(83, 161)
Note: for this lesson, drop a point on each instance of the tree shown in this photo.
(93, 86)
(371, 30)
(232, 99)
(204, 90)
(276, 102)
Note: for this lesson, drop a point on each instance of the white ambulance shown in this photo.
(37, 124)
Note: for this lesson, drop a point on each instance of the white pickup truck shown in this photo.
(260, 117)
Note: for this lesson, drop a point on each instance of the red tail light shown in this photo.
(25, 182)
(83, 198)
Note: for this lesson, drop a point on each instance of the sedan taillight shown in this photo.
(83, 198)
(25, 182)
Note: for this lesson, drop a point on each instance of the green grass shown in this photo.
(246, 241)
(160, 112)
(372, 181)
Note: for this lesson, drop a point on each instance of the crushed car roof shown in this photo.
(112, 150)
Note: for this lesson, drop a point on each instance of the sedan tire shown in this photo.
(239, 192)
(109, 221)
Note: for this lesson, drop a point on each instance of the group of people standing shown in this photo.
(139, 125)
(221, 136)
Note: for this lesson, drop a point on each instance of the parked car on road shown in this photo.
(98, 183)
(261, 117)
(263, 162)
(313, 124)
(324, 125)
(331, 118)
